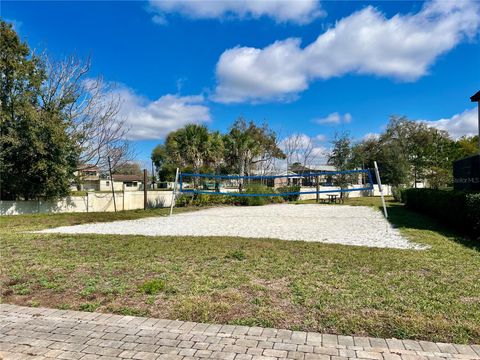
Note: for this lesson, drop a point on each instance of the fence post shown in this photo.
(123, 196)
(318, 189)
(111, 181)
(145, 189)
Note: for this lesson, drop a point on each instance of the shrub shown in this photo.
(397, 192)
(458, 209)
(288, 189)
(215, 200)
(473, 211)
(203, 200)
(207, 199)
(259, 200)
(183, 200)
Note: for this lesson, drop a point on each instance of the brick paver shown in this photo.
(40, 333)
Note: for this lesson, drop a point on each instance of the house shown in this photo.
(89, 178)
(129, 182)
(86, 178)
(286, 178)
(324, 179)
(121, 183)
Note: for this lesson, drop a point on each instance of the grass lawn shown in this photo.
(431, 295)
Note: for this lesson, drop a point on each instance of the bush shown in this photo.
(183, 200)
(207, 199)
(288, 189)
(458, 209)
(397, 192)
(473, 210)
(203, 200)
(259, 200)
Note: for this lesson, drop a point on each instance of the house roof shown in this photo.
(281, 173)
(88, 167)
(297, 168)
(323, 167)
(475, 97)
(121, 177)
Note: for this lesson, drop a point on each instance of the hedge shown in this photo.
(458, 209)
(209, 200)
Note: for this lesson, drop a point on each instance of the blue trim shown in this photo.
(193, 191)
(212, 176)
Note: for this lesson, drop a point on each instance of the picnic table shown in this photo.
(332, 198)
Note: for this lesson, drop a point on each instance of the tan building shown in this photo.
(88, 179)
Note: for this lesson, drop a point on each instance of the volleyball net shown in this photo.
(284, 185)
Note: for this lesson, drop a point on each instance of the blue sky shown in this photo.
(310, 67)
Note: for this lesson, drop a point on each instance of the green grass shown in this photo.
(431, 295)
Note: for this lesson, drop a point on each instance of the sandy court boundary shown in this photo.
(339, 224)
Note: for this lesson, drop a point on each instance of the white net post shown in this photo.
(379, 182)
(174, 192)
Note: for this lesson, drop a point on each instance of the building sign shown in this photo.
(466, 173)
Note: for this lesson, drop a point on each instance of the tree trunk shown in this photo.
(241, 171)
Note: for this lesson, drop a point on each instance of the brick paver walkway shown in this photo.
(41, 333)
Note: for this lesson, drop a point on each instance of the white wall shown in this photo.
(132, 200)
(92, 202)
(387, 190)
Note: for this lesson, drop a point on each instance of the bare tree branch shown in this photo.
(298, 148)
(91, 109)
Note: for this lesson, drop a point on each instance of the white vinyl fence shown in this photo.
(91, 202)
(387, 190)
(131, 200)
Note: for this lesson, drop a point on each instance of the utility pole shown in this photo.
(476, 98)
(145, 189)
(153, 177)
(111, 182)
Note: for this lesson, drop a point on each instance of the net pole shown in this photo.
(379, 182)
(174, 192)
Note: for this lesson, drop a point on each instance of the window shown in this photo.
(135, 183)
(108, 183)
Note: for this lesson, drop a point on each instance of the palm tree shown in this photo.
(238, 143)
(195, 146)
(215, 149)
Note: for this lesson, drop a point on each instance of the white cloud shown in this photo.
(296, 142)
(155, 119)
(302, 148)
(334, 119)
(465, 123)
(402, 47)
(371, 136)
(297, 11)
(319, 155)
(321, 138)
